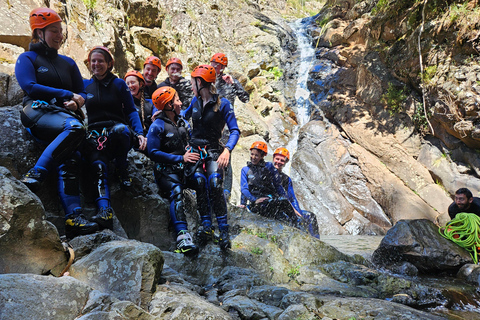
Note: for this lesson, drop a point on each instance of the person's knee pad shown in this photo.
(68, 176)
(215, 182)
(200, 181)
(119, 129)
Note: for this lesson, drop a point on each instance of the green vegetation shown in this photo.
(257, 250)
(420, 121)
(274, 239)
(251, 53)
(276, 72)
(90, 4)
(394, 98)
(262, 235)
(294, 272)
(380, 7)
(428, 74)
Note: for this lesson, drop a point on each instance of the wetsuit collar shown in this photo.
(106, 81)
(43, 50)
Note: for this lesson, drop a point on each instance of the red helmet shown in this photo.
(260, 145)
(173, 60)
(134, 73)
(220, 58)
(42, 17)
(206, 72)
(162, 96)
(283, 152)
(103, 48)
(155, 61)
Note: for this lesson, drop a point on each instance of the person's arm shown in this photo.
(240, 91)
(291, 196)
(187, 113)
(231, 121)
(154, 142)
(27, 79)
(244, 185)
(276, 179)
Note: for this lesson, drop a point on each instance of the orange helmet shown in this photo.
(283, 152)
(206, 72)
(162, 96)
(260, 145)
(155, 61)
(134, 73)
(220, 58)
(42, 17)
(103, 48)
(173, 60)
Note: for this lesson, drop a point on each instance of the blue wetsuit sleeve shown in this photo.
(187, 113)
(291, 196)
(129, 106)
(244, 185)
(231, 121)
(277, 179)
(26, 77)
(154, 141)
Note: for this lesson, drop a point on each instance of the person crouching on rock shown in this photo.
(136, 84)
(261, 187)
(109, 137)
(209, 114)
(306, 220)
(167, 139)
(52, 114)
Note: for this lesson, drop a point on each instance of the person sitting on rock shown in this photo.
(175, 80)
(229, 88)
(108, 104)
(54, 95)
(136, 85)
(261, 187)
(210, 114)
(151, 68)
(464, 202)
(306, 220)
(167, 139)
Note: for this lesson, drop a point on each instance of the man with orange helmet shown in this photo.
(306, 220)
(151, 68)
(166, 142)
(175, 80)
(261, 186)
(229, 88)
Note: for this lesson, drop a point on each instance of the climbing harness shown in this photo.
(464, 230)
(203, 155)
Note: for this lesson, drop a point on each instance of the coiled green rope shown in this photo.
(464, 230)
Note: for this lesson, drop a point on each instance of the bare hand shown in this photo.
(70, 105)
(228, 79)
(223, 159)
(78, 99)
(241, 206)
(142, 141)
(297, 213)
(260, 200)
(191, 157)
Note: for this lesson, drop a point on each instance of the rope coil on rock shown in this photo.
(464, 230)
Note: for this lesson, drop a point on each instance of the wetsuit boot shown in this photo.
(185, 243)
(224, 238)
(76, 224)
(104, 218)
(206, 231)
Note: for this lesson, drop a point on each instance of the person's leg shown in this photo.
(217, 200)
(64, 134)
(199, 183)
(69, 193)
(121, 141)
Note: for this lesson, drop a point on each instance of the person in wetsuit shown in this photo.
(229, 88)
(261, 187)
(136, 85)
(209, 114)
(167, 139)
(175, 80)
(151, 68)
(305, 219)
(108, 104)
(54, 95)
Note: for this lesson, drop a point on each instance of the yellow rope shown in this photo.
(464, 230)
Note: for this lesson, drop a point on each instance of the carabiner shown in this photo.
(101, 141)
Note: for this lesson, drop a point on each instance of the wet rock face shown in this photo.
(419, 243)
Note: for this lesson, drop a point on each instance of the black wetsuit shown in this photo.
(183, 88)
(473, 208)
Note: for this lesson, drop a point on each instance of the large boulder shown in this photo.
(419, 243)
(28, 243)
(128, 270)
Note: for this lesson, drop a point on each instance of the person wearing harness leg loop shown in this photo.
(261, 187)
(167, 142)
(54, 95)
(108, 104)
(305, 220)
(209, 114)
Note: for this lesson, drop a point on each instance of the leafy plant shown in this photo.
(394, 98)
(276, 72)
(428, 74)
(419, 120)
(294, 272)
(90, 4)
(262, 235)
(273, 238)
(381, 6)
(257, 250)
